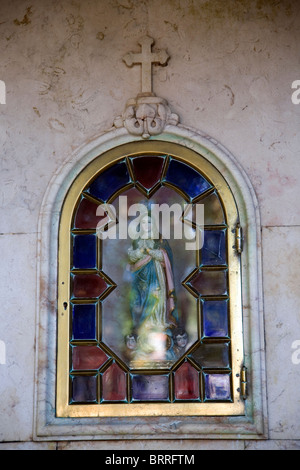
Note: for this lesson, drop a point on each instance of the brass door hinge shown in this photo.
(238, 238)
(244, 383)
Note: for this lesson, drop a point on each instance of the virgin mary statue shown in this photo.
(152, 295)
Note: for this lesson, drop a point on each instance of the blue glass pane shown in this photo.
(84, 251)
(150, 387)
(215, 318)
(217, 387)
(110, 181)
(186, 178)
(84, 321)
(84, 389)
(214, 248)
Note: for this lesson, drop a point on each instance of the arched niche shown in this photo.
(249, 421)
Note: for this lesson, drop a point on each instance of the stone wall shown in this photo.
(230, 75)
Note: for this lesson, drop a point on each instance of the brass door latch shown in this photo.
(238, 238)
(244, 383)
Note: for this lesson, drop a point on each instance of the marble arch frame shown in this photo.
(251, 426)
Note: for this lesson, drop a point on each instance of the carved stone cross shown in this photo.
(147, 114)
(146, 58)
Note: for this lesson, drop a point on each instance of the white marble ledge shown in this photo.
(154, 445)
(180, 445)
(28, 445)
(273, 444)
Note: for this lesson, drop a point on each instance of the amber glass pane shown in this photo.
(87, 357)
(213, 212)
(213, 251)
(114, 384)
(209, 282)
(186, 383)
(212, 355)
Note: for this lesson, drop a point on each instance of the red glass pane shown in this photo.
(86, 217)
(186, 383)
(88, 285)
(87, 357)
(114, 384)
(147, 170)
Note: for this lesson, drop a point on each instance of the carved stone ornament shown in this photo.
(147, 114)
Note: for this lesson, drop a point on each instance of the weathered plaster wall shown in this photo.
(230, 74)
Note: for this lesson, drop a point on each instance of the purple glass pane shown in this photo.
(217, 387)
(84, 389)
(150, 387)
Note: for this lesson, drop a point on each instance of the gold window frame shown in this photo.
(100, 163)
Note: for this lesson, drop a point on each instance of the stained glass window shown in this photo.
(148, 313)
